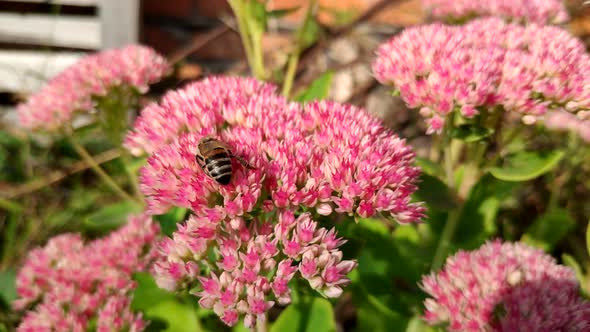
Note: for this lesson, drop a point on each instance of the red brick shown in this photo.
(176, 8)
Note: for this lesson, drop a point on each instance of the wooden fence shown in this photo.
(38, 39)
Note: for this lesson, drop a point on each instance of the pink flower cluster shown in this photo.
(310, 162)
(487, 64)
(204, 104)
(323, 156)
(254, 262)
(94, 75)
(531, 11)
(68, 284)
(505, 287)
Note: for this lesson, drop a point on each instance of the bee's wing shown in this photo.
(224, 145)
(201, 161)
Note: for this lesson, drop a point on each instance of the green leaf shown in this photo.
(240, 328)
(112, 113)
(169, 220)
(257, 18)
(110, 217)
(549, 229)
(314, 314)
(471, 133)
(147, 293)
(318, 89)
(309, 32)
(373, 314)
(9, 236)
(588, 238)
(435, 193)
(8, 140)
(429, 167)
(571, 262)
(527, 165)
(388, 265)
(163, 308)
(278, 13)
(7, 287)
(379, 257)
(340, 18)
(477, 221)
(416, 324)
(179, 317)
(135, 163)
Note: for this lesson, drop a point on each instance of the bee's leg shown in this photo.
(200, 161)
(242, 161)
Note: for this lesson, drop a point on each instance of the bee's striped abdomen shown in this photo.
(214, 157)
(218, 165)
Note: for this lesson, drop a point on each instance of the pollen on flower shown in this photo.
(505, 287)
(67, 283)
(73, 90)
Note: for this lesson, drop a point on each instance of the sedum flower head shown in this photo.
(246, 240)
(198, 105)
(527, 11)
(95, 75)
(505, 287)
(487, 64)
(243, 265)
(322, 156)
(68, 284)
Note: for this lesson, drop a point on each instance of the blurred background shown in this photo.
(38, 39)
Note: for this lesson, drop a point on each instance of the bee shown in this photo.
(214, 157)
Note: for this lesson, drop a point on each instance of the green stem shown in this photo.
(239, 11)
(511, 137)
(435, 148)
(503, 144)
(10, 206)
(290, 75)
(445, 238)
(126, 158)
(453, 215)
(294, 58)
(9, 239)
(258, 58)
(448, 152)
(570, 165)
(99, 171)
(449, 165)
(554, 193)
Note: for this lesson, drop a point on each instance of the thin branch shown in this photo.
(57, 176)
(198, 42)
(107, 179)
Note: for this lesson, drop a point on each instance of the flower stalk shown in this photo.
(453, 215)
(107, 179)
(299, 46)
(251, 38)
(10, 206)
